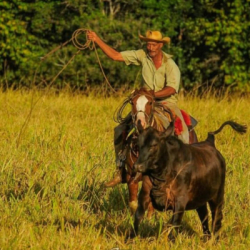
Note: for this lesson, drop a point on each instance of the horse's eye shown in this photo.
(150, 103)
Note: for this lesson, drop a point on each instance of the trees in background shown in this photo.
(210, 40)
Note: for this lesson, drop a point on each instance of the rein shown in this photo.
(117, 117)
(148, 116)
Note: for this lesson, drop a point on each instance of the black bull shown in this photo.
(179, 177)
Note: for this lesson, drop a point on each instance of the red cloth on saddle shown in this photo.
(178, 128)
(186, 118)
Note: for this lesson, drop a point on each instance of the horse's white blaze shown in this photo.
(140, 106)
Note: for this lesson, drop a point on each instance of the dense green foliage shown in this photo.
(210, 40)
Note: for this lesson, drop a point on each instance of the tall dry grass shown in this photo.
(55, 159)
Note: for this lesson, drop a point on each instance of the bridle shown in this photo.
(148, 116)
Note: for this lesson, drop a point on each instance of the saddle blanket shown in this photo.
(162, 118)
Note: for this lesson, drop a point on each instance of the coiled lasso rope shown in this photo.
(87, 45)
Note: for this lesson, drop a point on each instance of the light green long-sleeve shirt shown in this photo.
(167, 75)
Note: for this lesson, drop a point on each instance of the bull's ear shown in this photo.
(170, 129)
(139, 127)
(162, 135)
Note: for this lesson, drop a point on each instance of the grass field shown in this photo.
(55, 155)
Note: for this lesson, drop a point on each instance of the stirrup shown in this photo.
(120, 160)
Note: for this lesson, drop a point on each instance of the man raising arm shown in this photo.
(159, 73)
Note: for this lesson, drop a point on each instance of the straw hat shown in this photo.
(154, 36)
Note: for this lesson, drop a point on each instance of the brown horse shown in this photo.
(143, 107)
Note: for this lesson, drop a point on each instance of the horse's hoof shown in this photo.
(171, 237)
(133, 206)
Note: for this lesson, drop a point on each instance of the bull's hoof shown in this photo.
(130, 236)
(206, 236)
(133, 206)
(216, 237)
(173, 234)
(171, 237)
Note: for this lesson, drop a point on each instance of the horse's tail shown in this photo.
(241, 129)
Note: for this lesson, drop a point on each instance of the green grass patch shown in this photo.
(56, 153)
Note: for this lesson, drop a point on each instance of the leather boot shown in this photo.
(116, 180)
(120, 154)
(120, 173)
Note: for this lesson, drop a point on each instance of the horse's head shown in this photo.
(142, 101)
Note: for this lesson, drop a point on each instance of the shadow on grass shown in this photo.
(101, 199)
(114, 215)
(148, 229)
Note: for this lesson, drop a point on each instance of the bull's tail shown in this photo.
(241, 129)
(236, 126)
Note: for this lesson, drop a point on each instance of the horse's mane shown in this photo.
(142, 91)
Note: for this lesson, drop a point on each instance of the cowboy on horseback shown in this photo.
(159, 73)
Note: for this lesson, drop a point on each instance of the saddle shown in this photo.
(164, 115)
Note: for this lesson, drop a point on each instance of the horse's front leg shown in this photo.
(133, 185)
(133, 193)
(144, 202)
